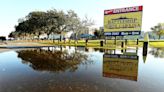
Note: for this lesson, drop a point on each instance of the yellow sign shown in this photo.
(122, 67)
(123, 20)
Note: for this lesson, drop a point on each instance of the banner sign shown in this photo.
(123, 21)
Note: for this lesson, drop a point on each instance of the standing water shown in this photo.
(80, 69)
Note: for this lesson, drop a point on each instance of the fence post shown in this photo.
(137, 41)
(101, 43)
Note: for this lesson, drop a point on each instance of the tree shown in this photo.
(98, 33)
(158, 30)
(157, 52)
(51, 21)
(82, 26)
(11, 35)
(36, 22)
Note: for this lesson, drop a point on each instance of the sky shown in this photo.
(12, 10)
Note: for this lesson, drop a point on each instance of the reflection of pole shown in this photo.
(114, 51)
(75, 49)
(105, 41)
(101, 43)
(126, 41)
(137, 41)
(86, 49)
(64, 40)
(86, 41)
(144, 59)
(48, 48)
(101, 50)
(115, 40)
(145, 44)
(122, 50)
(122, 44)
(136, 49)
(53, 38)
(61, 48)
(60, 38)
(145, 47)
(122, 47)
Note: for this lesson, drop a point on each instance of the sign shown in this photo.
(123, 21)
(120, 66)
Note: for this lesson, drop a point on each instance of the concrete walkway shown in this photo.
(4, 50)
(12, 45)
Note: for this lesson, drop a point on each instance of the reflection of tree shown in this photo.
(99, 49)
(157, 52)
(56, 61)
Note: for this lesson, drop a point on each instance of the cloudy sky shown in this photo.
(12, 10)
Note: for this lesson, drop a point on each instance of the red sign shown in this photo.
(123, 10)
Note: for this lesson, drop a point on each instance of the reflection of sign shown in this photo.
(123, 21)
(120, 66)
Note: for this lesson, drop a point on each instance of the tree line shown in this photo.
(59, 22)
(50, 22)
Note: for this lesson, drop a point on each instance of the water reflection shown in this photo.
(122, 66)
(89, 49)
(157, 52)
(54, 61)
(111, 71)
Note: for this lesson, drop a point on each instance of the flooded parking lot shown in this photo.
(80, 69)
